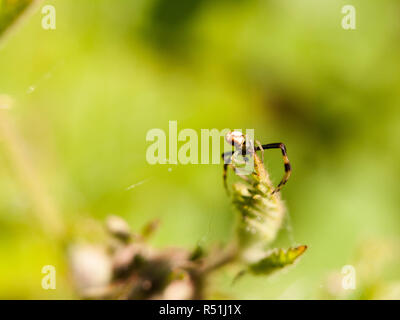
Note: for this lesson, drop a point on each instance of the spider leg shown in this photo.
(227, 157)
(288, 168)
(260, 147)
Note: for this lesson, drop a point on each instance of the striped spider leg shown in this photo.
(238, 141)
(286, 163)
(228, 159)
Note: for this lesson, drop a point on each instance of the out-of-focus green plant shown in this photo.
(374, 264)
(131, 269)
(11, 11)
(277, 259)
(262, 214)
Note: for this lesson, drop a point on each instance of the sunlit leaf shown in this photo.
(277, 260)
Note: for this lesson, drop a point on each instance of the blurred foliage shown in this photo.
(10, 11)
(86, 93)
(168, 20)
(277, 260)
(262, 213)
(375, 278)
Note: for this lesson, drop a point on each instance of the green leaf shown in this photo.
(11, 11)
(197, 253)
(277, 260)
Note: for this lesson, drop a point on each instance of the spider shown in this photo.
(244, 146)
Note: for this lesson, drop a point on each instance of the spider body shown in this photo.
(240, 143)
(245, 146)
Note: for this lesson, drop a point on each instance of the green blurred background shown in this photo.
(86, 94)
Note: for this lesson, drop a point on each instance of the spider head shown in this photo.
(236, 138)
